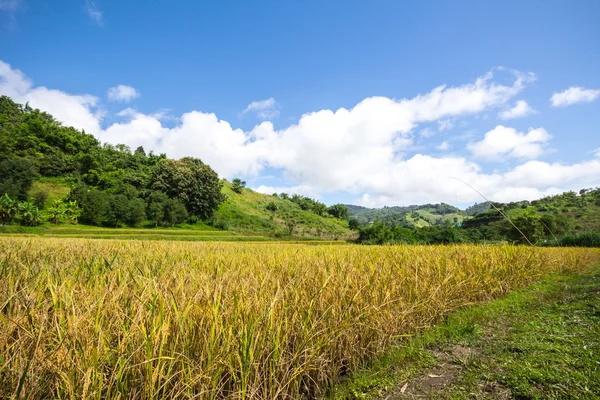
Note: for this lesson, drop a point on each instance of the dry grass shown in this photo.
(132, 319)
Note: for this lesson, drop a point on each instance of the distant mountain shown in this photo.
(408, 216)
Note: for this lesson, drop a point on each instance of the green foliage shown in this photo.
(56, 212)
(407, 217)
(478, 208)
(8, 208)
(585, 239)
(30, 214)
(308, 204)
(34, 144)
(94, 205)
(338, 211)
(124, 210)
(353, 224)
(192, 182)
(380, 233)
(237, 185)
(272, 206)
(18, 174)
(39, 198)
(165, 211)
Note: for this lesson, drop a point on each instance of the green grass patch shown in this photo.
(539, 343)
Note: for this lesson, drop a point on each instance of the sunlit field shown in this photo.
(109, 319)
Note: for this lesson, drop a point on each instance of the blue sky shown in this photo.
(336, 100)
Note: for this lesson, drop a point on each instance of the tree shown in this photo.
(17, 176)
(353, 224)
(338, 211)
(73, 212)
(237, 185)
(164, 211)
(136, 212)
(192, 182)
(56, 212)
(174, 212)
(39, 198)
(156, 207)
(8, 209)
(94, 205)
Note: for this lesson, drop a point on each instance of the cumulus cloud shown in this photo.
(122, 93)
(443, 146)
(502, 142)
(305, 190)
(94, 12)
(80, 111)
(445, 124)
(574, 95)
(521, 109)
(361, 150)
(265, 109)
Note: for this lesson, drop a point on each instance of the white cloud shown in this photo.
(305, 190)
(94, 12)
(443, 146)
(574, 95)
(521, 109)
(265, 109)
(426, 132)
(80, 111)
(502, 142)
(360, 150)
(122, 93)
(445, 124)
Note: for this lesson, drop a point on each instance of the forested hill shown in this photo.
(408, 216)
(51, 172)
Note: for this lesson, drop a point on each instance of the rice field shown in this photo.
(110, 319)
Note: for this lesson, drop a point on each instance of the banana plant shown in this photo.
(56, 212)
(8, 209)
(30, 214)
(73, 212)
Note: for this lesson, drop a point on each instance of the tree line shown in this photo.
(110, 184)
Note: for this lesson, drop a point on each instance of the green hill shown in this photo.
(266, 214)
(409, 216)
(58, 174)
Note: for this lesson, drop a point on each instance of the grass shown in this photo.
(539, 343)
(247, 212)
(185, 233)
(111, 319)
(242, 214)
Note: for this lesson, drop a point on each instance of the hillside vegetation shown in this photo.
(267, 214)
(408, 216)
(567, 219)
(53, 173)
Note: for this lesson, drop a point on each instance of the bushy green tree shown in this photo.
(192, 182)
(94, 205)
(17, 176)
(165, 211)
(338, 211)
(237, 185)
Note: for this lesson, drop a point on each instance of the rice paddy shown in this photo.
(114, 319)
